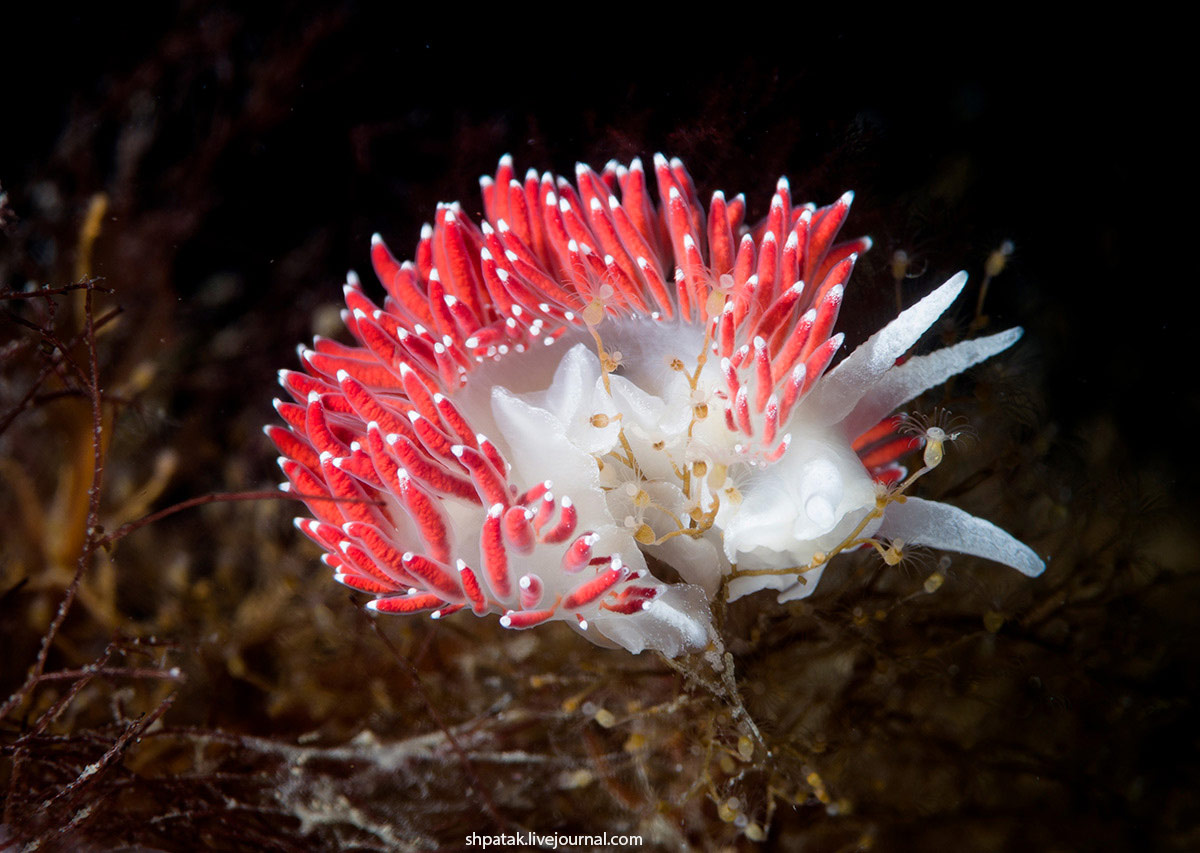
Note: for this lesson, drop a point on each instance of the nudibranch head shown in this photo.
(597, 374)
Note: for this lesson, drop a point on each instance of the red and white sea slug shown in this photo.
(598, 374)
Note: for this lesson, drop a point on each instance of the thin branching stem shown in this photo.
(219, 497)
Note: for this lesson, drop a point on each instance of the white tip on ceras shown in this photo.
(352, 281)
(847, 198)
(376, 239)
(426, 231)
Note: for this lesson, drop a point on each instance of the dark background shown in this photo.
(249, 153)
(297, 133)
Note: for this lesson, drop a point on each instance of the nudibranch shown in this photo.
(606, 405)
